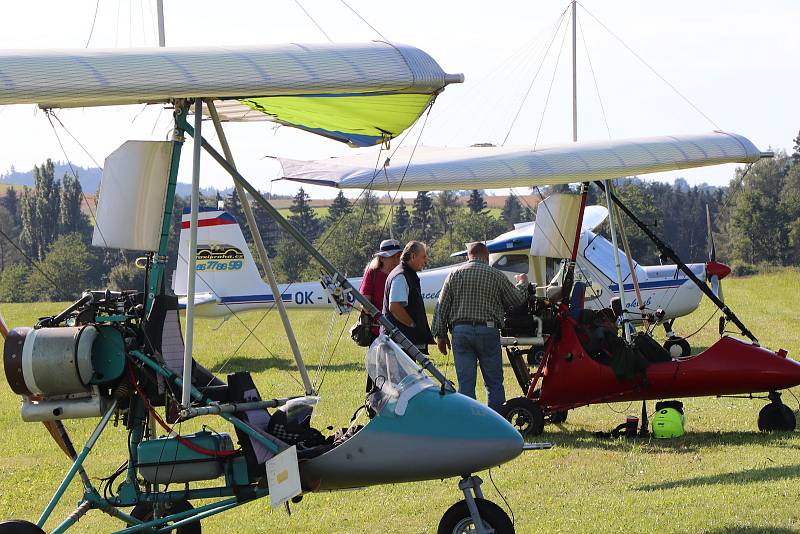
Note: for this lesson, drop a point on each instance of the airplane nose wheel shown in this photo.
(474, 514)
(678, 347)
(525, 415)
(776, 416)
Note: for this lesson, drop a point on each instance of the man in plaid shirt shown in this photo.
(472, 305)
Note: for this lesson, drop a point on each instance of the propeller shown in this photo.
(715, 271)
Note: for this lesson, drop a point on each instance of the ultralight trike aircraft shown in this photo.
(584, 361)
(123, 354)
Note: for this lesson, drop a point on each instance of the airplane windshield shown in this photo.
(514, 263)
(395, 377)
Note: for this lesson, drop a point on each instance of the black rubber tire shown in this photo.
(776, 417)
(144, 512)
(457, 519)
(19, 526)
(525, 415)
(557, 418)
(678, 347)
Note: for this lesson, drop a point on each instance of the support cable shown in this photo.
(50, 114)
(653, 70)
(312, 20)
(550, 89)
(410, 349)
(357, 14)
(536, 75)
(94, 19)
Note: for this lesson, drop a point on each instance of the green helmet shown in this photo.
(668, 423)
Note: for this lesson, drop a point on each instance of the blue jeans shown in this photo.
(473, 345)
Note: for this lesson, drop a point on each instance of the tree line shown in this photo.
(46, 251)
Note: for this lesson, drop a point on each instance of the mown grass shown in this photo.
(722, 477)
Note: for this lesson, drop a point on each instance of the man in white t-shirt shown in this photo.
(402, 303)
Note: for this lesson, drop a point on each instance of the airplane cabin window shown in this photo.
(513, 263)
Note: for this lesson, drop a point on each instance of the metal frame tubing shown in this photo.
(76, 465)
(612, 224)
(159, 261)
(262, 252)
(667, 252)
(190, 516)
(235, 421)
(192, 259)
(367, 306)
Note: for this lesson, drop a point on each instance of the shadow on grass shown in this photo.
(740, 477)
(255, 364)
(691, 443)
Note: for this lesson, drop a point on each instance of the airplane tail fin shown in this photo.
(225, 266)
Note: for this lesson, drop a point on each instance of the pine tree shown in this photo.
(512, 210)
(444, 209)
(370, 207)
(528, 215)
(340, 207)
(30, 227)
(796, 147)
(11, 203)
(70, 217)
(39, 211)
(402, 219)
(422, 217)
(267, 227)
(476, 203)
(233, 205)
(303, 216)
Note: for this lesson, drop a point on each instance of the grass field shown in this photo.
(722, 477)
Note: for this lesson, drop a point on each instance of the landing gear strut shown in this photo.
(776, 416)
(676, 345)
(474, 514)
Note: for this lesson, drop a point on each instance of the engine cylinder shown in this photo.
(49, 361)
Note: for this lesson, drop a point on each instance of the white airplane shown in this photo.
(228, 280)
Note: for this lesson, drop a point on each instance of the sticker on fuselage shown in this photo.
(220, 258)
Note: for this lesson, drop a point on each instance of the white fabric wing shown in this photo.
(97, 77)
(437, 169)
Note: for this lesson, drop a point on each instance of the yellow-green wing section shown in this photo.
(359, 120)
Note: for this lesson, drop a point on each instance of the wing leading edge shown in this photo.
(436, 169)
(360, 94)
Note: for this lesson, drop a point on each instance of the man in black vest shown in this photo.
(402, 302)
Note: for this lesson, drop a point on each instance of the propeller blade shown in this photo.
(716, 287)
(712, 251)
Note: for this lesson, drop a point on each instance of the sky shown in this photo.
(728, 65)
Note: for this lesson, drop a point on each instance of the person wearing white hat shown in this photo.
(374, 280)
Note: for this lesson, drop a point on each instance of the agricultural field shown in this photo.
(723, 476)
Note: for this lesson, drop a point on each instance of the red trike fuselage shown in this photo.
(572, 378)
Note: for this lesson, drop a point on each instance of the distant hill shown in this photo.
(89, 178)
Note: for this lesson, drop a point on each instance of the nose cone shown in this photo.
(461, 434)
(720, 270)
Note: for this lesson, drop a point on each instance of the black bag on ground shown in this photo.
(361, 332)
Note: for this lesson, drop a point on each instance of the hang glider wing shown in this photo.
(361, 94)
(437, 169)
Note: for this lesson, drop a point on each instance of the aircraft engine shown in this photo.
(64, 372)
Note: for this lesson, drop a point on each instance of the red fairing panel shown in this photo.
(572, 378)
